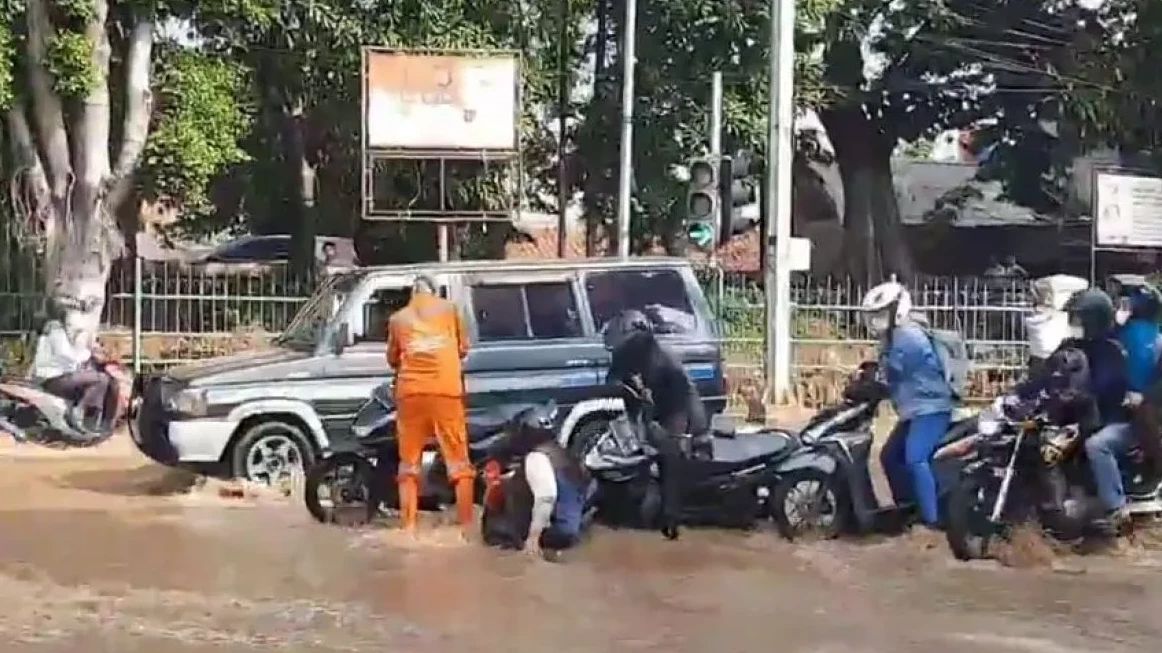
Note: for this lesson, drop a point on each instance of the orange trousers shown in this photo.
(419, 418)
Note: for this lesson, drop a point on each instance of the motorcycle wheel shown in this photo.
(809, 503)
(349, 498)
(969, 532)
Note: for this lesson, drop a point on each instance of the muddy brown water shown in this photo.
(103, 551)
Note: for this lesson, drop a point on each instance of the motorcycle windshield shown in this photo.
(373, 416)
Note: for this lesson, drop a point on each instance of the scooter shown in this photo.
(356, 477)
(726, 478)
(29, 413)
(831, 491)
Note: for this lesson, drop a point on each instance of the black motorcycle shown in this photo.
(726, 478)
(830, 490)
(357, 476)
(1026, 469)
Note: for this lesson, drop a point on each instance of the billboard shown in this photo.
(447, 101)
(1128, 210)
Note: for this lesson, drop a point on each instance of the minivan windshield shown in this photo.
(312, 319)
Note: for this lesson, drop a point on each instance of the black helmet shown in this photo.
(1093, 311)
(625, 326)
(538, 421)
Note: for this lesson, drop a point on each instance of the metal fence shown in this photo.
(182, 313)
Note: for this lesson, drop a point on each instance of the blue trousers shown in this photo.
(907, 461)
(1103, 449)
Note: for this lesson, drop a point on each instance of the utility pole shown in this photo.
(777, 277)
(562, 124)
(629, 59)
(716, 140)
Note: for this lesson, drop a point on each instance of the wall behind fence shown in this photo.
(189, 313)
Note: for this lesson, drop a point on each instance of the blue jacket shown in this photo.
(915, 374)
(1139, 337)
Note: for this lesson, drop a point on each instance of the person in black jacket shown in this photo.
(662, 388)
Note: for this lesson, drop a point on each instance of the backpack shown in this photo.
(954, 359)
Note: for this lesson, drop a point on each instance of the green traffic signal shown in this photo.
(701, 234)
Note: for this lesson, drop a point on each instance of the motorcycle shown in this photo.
(830, 491)
(1024, 469)
(29, 413)
(726, 478)
(357, 475)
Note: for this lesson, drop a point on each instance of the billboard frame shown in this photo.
(1094, 247)
(512, 158)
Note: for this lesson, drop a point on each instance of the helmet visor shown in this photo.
(877, 322)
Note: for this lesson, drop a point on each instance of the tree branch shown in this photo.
(138, 107)
(46, 106)
(92, 127)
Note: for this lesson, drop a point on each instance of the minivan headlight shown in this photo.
(191, 403)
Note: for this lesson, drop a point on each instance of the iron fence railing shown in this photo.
(179, 313)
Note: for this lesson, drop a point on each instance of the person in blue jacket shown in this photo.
(919, 391)
(1138, 333)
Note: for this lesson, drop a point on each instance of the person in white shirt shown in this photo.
(64, 367)
(540, 508)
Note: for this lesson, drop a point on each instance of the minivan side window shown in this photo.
(541, 311)
(377, 311)
(659, 294)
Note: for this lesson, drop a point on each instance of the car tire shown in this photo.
(586, 433)
(274, 445)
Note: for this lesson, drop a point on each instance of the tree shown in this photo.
(76, 88)
(304, 151)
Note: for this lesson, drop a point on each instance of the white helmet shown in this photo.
(885, 305)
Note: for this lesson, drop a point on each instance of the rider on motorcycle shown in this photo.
(541, 507)
(639, 361)
(1092, 324)
(920, 393)
(67, 369)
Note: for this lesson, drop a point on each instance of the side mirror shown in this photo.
(342, 338)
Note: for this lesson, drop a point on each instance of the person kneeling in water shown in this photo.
(539, 508)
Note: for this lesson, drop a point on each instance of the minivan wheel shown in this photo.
(272, 453)
(585, 436)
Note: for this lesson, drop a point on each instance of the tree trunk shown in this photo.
(74, 187)
(874, 244)
(302, 170)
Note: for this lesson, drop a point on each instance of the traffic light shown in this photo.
(703, 199)
(739, 179)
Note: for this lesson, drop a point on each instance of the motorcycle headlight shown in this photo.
(191, 403)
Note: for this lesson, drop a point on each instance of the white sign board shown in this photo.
(1128, 210)
(440, 102)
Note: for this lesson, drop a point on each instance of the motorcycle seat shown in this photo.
(958, 430)
(746, 449)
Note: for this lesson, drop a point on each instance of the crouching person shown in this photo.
(541, 506)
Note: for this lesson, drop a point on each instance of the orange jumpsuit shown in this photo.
(426, 342)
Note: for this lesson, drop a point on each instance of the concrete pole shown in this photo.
(625, 178)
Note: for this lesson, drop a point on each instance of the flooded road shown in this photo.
(102, 551)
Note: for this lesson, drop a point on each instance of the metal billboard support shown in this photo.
(509, 160)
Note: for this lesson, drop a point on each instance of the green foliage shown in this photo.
(7, 64)
(75, 12)
(68, 60)
(202, 113)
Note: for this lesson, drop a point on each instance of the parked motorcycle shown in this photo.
(1025, 469)
(29, 413)
(727, 478)
(357, 477)
(831, 492)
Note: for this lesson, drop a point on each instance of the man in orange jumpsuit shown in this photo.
(426, 343)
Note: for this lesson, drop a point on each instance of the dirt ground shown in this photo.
(104, 551)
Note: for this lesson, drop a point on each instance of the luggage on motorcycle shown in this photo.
(954, 358)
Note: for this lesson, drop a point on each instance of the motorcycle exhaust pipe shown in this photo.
(957, 449)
